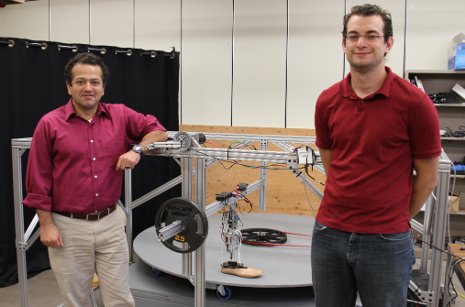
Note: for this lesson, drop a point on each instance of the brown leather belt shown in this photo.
(94, 216)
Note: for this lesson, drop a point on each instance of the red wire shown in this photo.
(274, 244)
(298, 234)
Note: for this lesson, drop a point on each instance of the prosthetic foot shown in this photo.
(238, 269)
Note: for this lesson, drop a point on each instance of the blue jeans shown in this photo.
(377, 266)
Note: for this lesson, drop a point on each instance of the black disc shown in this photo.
(193, 220)
(263, 235)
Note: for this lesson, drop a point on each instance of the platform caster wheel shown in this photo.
(224, 293)
(156, 272)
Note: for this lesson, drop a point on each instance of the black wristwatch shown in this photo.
(137, 148)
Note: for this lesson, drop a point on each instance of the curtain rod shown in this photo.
(9, 42)
(73, 48)
(42, 45)
(102, 50)
(128, 52)
(151, 53)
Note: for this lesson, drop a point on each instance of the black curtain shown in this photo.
(32, 84)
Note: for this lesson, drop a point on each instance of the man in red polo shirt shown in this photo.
(373, 129)
(74, 179)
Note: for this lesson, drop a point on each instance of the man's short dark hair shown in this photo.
(370, 10)
(89, 59)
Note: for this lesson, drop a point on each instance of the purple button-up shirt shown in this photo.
(72, 163)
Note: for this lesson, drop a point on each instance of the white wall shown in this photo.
(431, 28)
(206, 62)
(315, 57)
(266, 70)
(29, 20)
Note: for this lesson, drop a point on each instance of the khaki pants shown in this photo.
(92, 246)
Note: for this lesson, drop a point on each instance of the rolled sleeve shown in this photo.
(37, 201)
(39, 170)
(153, 124)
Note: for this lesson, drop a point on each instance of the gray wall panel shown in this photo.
(315, 56)
(206, 62)
(259, 70)
(69, 20)
(112, 22)
(157, 24)
(29, 20)
(431, 26)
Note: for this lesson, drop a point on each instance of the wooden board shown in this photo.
(285, 193)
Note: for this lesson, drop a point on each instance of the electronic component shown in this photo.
(241, 187)
(223, 196)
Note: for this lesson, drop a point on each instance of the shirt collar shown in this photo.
(69, 110)
(385, 89)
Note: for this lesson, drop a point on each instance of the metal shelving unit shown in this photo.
(451, 115)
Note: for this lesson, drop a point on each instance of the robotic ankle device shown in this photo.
(182, 226)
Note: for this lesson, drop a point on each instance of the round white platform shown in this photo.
(283, 266)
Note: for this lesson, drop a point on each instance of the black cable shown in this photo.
(452, 270)
(234, 162)
(241, 196)
(311, 177)
(449, 280)
(267, 167)
(449, 132)
(457, 133)
(439, 249)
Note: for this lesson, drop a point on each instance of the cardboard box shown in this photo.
(462, 201)
(454, 203)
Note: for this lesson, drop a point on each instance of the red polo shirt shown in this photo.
(373, 143)
(72, 163)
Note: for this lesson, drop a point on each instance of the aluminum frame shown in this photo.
(432, 227)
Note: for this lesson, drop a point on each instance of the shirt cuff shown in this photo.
(38, 201)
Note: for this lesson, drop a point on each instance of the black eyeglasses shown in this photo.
(354, 38)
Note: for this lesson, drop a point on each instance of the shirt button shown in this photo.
(96, 194)
(94, 158)
(91, 141)
(95, 176)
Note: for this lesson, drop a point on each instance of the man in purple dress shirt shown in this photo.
(74, 178)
